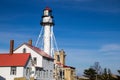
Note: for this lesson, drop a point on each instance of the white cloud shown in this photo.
(110, 48)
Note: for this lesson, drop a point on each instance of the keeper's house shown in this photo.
(14, 65)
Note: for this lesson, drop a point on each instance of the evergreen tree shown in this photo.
(107, 75)
(90, 73)
(118, 76)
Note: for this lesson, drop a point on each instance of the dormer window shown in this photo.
(24, 50)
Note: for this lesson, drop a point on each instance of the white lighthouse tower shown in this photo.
(47, 24)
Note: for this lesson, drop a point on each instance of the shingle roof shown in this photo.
(14, 59)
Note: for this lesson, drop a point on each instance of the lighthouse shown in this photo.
(47, 24)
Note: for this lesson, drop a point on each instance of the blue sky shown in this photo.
(88, 30)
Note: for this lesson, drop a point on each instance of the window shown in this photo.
(27, 71)
(40, 73)
(63, 72)
(46, 73)
(54, 66)
(72, 72)
(58, 58)
(35, 60)
(60, 73)
(24, 50)
(51, 73)
(13, 70)
(37, 72)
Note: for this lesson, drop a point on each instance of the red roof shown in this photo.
(65, 66)
(39, 51)
(47, 8)
(14, 59)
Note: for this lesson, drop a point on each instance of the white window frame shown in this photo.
(13, 70)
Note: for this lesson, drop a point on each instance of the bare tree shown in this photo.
(97, 68)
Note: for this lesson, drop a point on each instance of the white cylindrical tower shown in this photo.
(47, 23)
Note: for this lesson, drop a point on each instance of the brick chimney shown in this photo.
(30, 42)
(11, 46)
